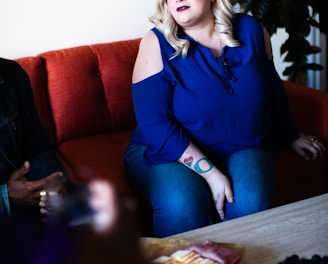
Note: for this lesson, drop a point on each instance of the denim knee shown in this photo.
(182, 202)
(252, 175)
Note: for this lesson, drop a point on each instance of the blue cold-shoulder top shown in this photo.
(222, 104)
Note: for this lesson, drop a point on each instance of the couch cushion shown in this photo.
(298, 178)
(89, 88)
(309, 108)
(99, 156)
(116, 62)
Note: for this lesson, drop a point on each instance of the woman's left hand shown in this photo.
(308, 147)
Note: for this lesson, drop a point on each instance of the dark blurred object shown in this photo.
(295, 259)
(71, 208)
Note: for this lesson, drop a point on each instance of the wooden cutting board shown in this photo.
(156, 247)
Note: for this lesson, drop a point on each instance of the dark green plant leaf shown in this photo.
(314, 23)
(260, 7)
(289, 70)
(315, 49)
(313, 66)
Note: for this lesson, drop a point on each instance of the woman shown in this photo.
(210, 108)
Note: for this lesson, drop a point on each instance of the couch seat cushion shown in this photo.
(298, 178)
(98, 156)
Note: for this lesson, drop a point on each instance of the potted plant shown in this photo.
(297, 17)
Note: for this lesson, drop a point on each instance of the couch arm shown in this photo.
(309, 109)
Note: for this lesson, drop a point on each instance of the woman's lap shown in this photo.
(182, 200)
(252, 175)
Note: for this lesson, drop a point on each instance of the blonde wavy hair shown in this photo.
(222, 12)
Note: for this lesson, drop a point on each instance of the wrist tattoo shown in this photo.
(188, 161)
(203, 165)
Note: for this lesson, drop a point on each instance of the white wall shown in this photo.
(277, 40)
(29, 27)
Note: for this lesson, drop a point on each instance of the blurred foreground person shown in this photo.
(45, 217)
(106, 231)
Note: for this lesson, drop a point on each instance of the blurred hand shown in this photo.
(103, 201)
(55, 186)
(114, 228)
(308, 147)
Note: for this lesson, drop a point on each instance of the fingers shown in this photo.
(26, 165)
(21, 172)
(44, 211)
(43, 201)
(56, 183)
(39, 189)
(315, 146)
(308, 147)
(52, 182)
(43, 205)
(229, 194)
(303, 154)
(221, 191)
(220, 201)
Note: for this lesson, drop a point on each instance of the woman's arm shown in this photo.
(220, 186)
(149, 60)
(306, 146)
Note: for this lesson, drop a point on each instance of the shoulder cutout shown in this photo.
(149, 58)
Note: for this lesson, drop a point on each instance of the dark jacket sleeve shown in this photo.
(35, 143)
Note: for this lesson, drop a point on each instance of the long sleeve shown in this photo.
(285, 128)
(36, 142)
(160, 132)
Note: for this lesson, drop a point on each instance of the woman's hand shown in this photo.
(221, 191)
(308, 147)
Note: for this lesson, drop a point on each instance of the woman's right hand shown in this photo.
(221, 191)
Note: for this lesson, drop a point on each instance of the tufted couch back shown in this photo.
(84, 90)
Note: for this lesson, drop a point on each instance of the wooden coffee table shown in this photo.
(270, 236)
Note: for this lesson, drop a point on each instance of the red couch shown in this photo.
(83, 95)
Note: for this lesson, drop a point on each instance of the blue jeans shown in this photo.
(182, 200)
